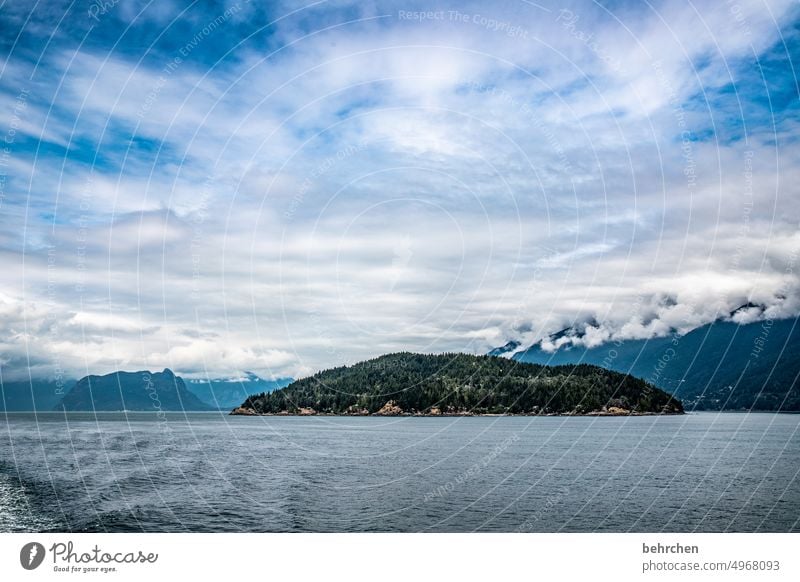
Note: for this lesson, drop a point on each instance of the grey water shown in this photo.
(208, 472)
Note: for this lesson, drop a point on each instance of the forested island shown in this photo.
(460, 384)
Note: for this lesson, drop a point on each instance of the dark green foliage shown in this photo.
(458, 383)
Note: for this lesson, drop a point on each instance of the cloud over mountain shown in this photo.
(285, 188)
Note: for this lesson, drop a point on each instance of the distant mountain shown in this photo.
(719, 366)
(407, 383)
(509, 347)
(141, 391)
(36, 394)
(227, 393)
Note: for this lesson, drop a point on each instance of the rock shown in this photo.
(243, 411)
(390, 409)
(356, 411)
(306, 412)
(617, 411)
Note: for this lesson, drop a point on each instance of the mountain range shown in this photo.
(125, 390)
(227, 393)
(719, 366)
(34, 394)
(139, 391)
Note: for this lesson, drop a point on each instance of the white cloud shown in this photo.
(387, 185)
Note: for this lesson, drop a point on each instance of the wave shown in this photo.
(20, 510)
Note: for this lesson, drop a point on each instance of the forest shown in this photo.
(454, 383)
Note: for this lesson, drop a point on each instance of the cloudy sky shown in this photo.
(281, 186)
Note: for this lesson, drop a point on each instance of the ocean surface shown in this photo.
(211, 472)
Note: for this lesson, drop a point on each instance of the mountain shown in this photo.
(719, 366)
(406, 383)
(35, 394)
(142, 391)
(227, 393)
(506, 349)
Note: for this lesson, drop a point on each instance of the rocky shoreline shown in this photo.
(391, 409)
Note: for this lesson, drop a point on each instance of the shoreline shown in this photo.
(250, 412)
(228, 412)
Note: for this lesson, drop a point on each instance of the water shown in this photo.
(210, 472)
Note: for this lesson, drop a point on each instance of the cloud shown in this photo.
(315, 185)
(204, 358)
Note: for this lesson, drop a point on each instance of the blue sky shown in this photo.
(282, 187)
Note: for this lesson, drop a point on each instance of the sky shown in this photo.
(281, 187)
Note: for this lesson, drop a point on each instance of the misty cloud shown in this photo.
(311, 186)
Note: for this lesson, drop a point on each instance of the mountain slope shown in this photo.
(227, 393)
(141, 391)
(506, 349)
(36, 394)
(719, 366)
(460, 383)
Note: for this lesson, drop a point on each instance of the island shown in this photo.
(410, 384)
